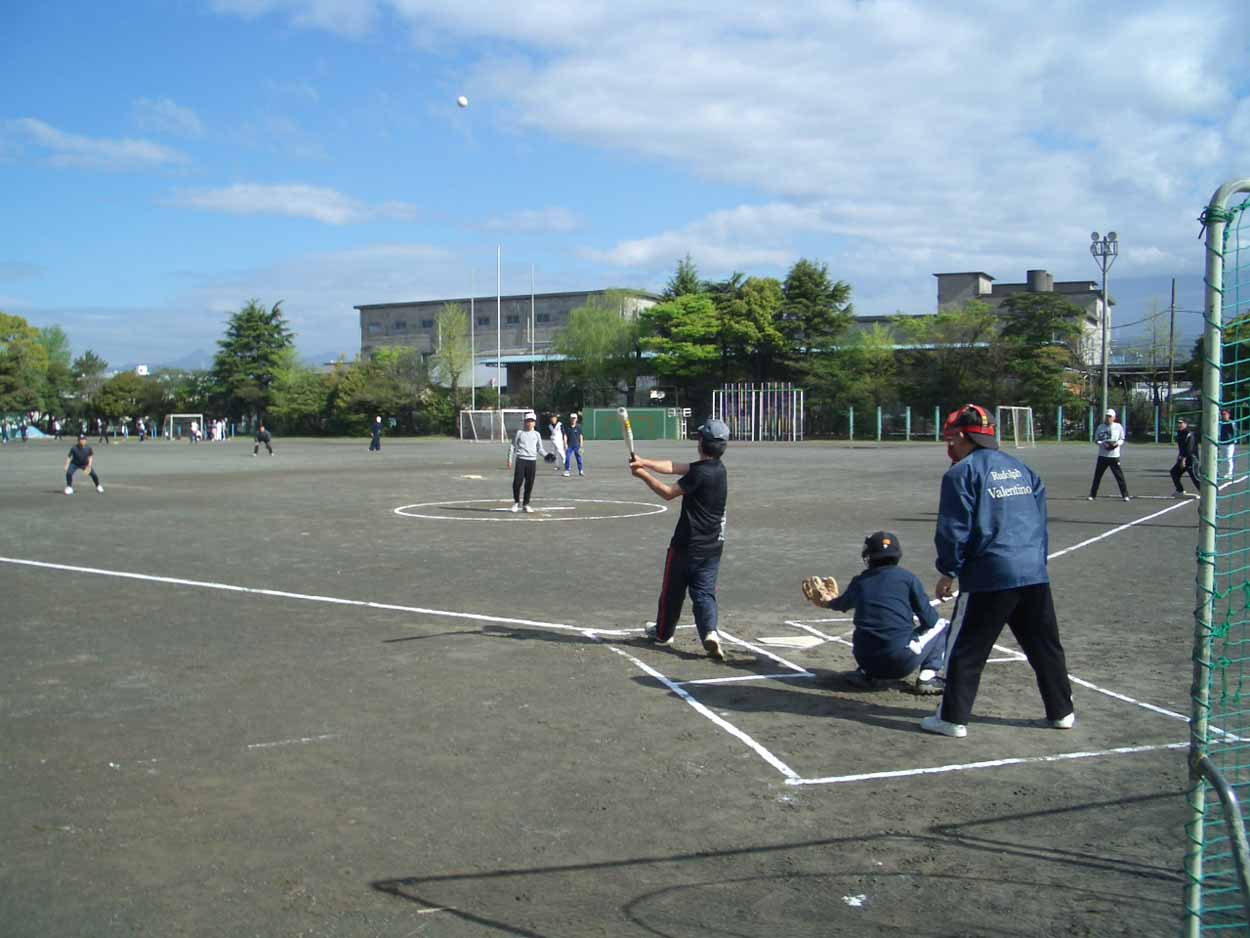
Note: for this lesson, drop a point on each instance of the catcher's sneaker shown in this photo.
(929, 687)
(654, 636)
(1063, 723)
(69, 490)
(516, 506)
(711, 644)
(527, 509)
(935, 724)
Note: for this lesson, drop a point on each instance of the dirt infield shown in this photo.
(246, 696)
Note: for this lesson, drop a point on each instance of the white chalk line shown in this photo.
(763, 653)
(311, 597)
(293, 742)
(700, 708)
(785, 676)
(405, 512)
(988, 764)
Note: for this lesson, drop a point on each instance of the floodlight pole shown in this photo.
(472, 343)
(1104, 250)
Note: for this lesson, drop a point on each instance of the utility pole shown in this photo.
(1104, 251)
(1172, 353)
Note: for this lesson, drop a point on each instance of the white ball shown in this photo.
(462, 101)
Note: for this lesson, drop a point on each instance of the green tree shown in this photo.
(860, 374)
(23, 365)
(685, 280)
(815, 311)
(88, 373)
(748, 338)
(1038, 336)
(250, 356)
(56, 343)
(122, 395)
(453, 355)
(683, 334)
(301, 397)
(600, 345)
(954, 356)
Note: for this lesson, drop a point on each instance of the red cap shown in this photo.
(975, 422)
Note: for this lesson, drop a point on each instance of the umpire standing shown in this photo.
(1186, 458)
(991, 536)
(1109, 437)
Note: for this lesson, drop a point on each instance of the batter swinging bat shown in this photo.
(629, 431)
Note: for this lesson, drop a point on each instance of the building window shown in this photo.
(483, 320)
(543, 317)
(400, 325)
(427, 323)
(375, 328)
(512, 320)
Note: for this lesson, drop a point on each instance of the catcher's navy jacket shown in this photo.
(884, 599)
(991, 529)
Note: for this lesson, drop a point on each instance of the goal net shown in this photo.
(179, 425)
(1015, 426)
(497, 426)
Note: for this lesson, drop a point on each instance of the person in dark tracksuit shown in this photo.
(573, 445)
(886, 642)
(81, 457)
(375, 439)
(991, 536)
(1186, 457)
(263, 438)
(694, 553)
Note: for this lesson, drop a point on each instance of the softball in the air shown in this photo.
(462, 101)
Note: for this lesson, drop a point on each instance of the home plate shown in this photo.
(792, 641)
(552, 508)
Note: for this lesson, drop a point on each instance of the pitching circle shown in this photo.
(502, 514)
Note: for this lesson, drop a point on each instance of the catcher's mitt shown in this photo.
(820, 590)
(549, 457)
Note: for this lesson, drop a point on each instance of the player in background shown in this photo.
(573, 444)
(195, 431)
(264, 437)
(991, 536)
(103, 427)
(886, 643)
(557, 440)
(694, 553)
(1228, 441)
(526, 447)
(375, 435)
(1186, 458)
(1109, 437)
(81, 456)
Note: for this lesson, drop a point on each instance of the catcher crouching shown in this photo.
(887, 644)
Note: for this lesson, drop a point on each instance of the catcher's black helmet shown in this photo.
(881, 546)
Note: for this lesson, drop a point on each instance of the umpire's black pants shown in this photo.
(1105, 463)
(1179, 468)
(1029, 612)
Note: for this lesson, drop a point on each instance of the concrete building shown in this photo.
(414, 324)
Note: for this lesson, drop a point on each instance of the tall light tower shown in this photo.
(1105, 251)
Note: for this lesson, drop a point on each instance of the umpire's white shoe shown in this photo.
(1063, 723)
(711, 644)
(935, 724)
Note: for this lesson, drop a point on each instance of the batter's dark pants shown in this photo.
(1105, 463)
(1179, 468)
(683, 573)
(523, 471)
(375, 443)
(1029, 612)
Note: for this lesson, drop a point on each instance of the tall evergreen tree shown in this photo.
(685, 280)
(250, 356)
(815, 311)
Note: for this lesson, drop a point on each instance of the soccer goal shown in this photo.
(178, 425)
(497, 426)
(1015, 426)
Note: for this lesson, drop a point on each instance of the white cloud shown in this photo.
(75, 150)
(163, 115)
(543, 219)
(296, 200)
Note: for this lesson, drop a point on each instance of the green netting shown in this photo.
(648, 423)
(1220, 724)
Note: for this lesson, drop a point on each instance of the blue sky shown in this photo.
(163, 162)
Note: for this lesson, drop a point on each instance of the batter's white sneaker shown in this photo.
(527, 509)
(935, 724)
(516, 506)
(654, 636)
(711, 644)
(1063, 723)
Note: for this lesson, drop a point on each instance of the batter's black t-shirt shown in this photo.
(701, 527)
(80, 455)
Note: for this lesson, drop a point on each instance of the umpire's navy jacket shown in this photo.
(991, 529)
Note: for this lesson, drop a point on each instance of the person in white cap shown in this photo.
(526, 447)
(1109, 437)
